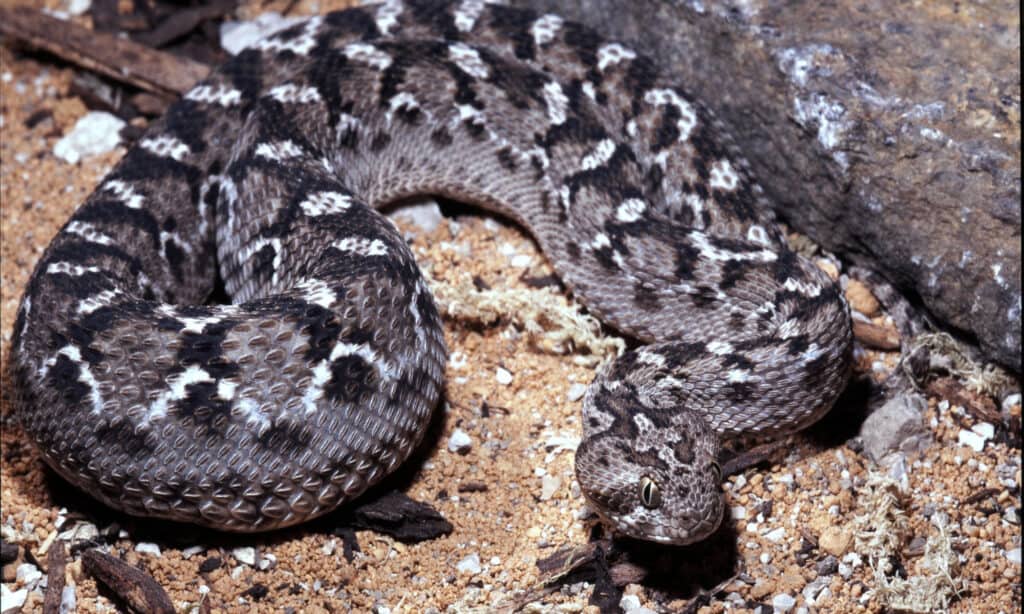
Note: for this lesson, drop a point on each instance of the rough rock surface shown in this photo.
(889, 133)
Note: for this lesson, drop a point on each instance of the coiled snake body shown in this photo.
(320, 376)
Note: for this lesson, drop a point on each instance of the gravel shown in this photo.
(470, 564)
(460, 442)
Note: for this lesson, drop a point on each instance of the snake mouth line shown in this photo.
(666, 534)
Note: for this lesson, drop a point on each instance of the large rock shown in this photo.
(888, 132)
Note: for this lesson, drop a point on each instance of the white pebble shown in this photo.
(68, 599)
(191, 551)
(776, 535)
(147, 548)
(549, 485)
(521, 261)
(628, 603)
(1013, 555)
(268, 561)
(1010, 401)
(459, 442)
(28, 574)
(576, 392)
(971, 439)
(245, 555)
(738, 512)
(94, 133)
(984, 429)
(783, 603)
(424, 214)
(11, 601)
(78, 7)
(470, 564)
(503, 376)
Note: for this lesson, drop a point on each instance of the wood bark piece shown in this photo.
(120, 59)
(137, 589)
(183, 21)
(56, 562)
(875, 336)
(395, 514)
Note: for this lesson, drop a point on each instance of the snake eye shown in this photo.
(650, 494)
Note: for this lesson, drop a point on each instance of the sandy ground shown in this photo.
(794, 531)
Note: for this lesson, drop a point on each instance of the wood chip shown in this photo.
(120, 59)
(56, 562)
(137, 589)
(875, 336)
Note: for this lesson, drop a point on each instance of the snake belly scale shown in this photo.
(320, 376)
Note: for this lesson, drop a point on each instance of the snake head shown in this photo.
(651, 474)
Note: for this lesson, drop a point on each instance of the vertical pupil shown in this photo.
(647, 492)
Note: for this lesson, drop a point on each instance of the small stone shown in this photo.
(80, 531)
(268, 561)
(424, 214)
(812, 590)
(68, 599)
(147, 548)
(628, 603)
(470, 564)
(783, 603)
(94, 133)
(1014, 556)
(1010, 402)
(549, 485)
(521, 261)
(78, 7)
(191, 551)
(245, 555)
(503, 376)
(576, 392)
(861, 299)
(760, 589)
(971, 439)
(11, 601)
(776, 535)
(896, 426)
(210, 564)
(28, 574)
(827, 566)
(460, 442)
(835, 540)
(985, 429)
(328, 548)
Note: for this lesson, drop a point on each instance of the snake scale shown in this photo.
(320, 375)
